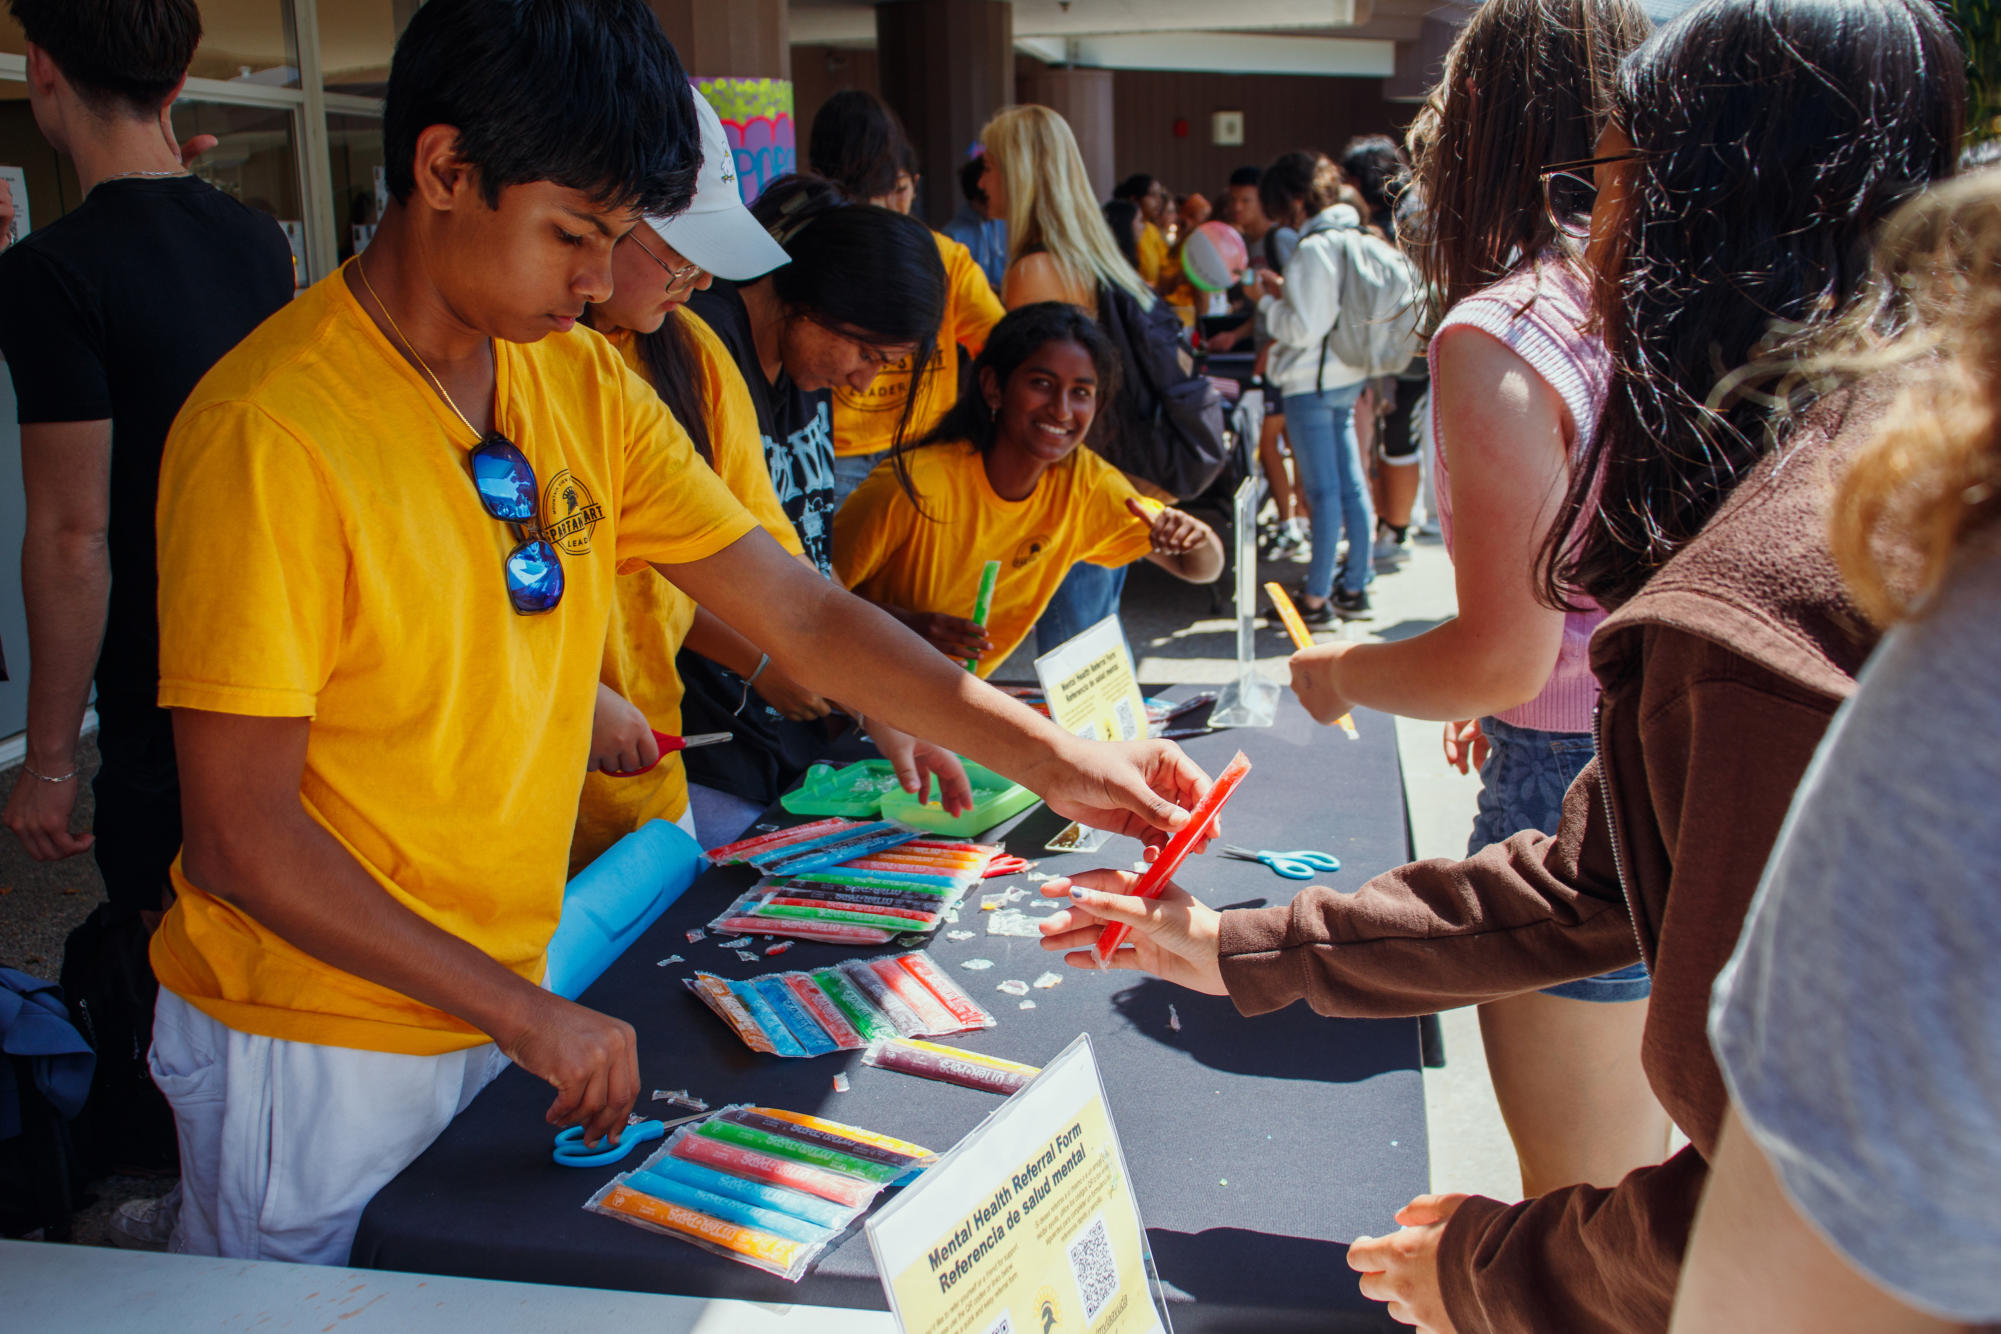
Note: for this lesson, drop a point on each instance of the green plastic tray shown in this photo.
(994, 799)
(854, 790)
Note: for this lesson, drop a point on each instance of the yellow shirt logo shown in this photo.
(1026, 554)
(570, 513)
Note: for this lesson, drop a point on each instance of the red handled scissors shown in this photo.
(670, 744)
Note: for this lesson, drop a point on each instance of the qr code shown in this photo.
(1128, 726)
(1092, 1266)
(1003, 1324)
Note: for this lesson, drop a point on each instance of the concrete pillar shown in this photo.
(744, 39)
(946, 67)
(1084, 98)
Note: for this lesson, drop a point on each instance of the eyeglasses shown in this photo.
(1570, 191)
(684, 276)
(507, 489)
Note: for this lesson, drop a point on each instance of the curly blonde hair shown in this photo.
(1932, 475)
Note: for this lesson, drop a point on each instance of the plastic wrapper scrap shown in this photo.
(844, 1007)
(767, 1188)
(931, 1060)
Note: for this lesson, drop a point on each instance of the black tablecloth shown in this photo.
(1257, 1147)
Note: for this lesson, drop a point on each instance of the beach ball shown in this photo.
(1214, 256)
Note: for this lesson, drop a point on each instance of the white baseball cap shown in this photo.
(716, 231)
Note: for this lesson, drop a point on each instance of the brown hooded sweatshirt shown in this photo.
(1719, 679)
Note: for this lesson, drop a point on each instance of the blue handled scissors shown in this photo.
(1291, 865)
(572, 1152)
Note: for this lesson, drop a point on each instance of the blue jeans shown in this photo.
(1521, 787)
(1321, 429)
(1087, 595)
(849, 472)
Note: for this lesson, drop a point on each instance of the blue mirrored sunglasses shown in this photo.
(507, 489)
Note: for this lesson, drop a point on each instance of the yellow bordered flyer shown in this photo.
(1091, 687)
(1028, 1226)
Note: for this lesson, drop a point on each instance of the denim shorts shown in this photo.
(1521, 787)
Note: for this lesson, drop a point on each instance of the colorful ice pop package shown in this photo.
(731, 854)
(931, 1060)
(768, 1188)
(843, 1008)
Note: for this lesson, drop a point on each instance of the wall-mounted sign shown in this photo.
(757, 117)
(1226, 129)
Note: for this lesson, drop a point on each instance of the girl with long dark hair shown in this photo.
(1519, 381)
(1005, 476)
(863, 287)
(1754, 148)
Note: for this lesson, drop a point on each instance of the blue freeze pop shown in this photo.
(768, 1020)
(730, 1211)
(803, 1025)
(794, 1202)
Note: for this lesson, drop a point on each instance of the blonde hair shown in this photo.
(1050, 203)
(1932, 474)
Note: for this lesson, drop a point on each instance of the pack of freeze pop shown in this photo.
(864, 901)
(768, 1188)
(844, 1007)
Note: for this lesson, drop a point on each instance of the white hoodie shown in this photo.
(1300, 320)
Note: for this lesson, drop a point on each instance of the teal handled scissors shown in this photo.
(1291, 865)
(572, 1152)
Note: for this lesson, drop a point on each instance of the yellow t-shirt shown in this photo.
(323, 555)
(888, 552)
(650, 616)
(1152, 254)
(865, 422)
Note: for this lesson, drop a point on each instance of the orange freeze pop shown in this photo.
(1169, 861)
(1301, 639)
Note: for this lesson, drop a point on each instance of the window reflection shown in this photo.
(355, 145)
(357, 38)
(254, 41)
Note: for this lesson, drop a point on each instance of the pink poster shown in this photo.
(757, 117)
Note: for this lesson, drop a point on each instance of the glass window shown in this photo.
(357, 38)
(257, 161)
(51, 181)
(354, 143)
(251, 40)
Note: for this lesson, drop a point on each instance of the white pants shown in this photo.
(283, 1144)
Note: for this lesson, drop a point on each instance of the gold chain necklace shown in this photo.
(415, 355)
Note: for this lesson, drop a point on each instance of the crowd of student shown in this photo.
(385, 589)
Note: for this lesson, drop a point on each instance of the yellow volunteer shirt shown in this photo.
(323, 554)
(865, 422)
(1152, 254)
(888, 552)
(650, 616)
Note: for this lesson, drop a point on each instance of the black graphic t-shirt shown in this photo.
(769, 753)
(797, 426)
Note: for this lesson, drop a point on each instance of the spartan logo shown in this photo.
(1030, 551)
(569, 513)
(1048, 1312)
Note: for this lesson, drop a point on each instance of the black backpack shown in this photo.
(41, 1181)
(126, 1123)
(1167, 420)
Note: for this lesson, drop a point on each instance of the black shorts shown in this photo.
(1397, 441)
(1274, 399)
(137, 792)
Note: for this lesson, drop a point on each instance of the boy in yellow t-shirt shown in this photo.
(390, 523)
(1004, 478)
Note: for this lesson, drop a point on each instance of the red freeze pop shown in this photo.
(773, 1171)
(1169, 861)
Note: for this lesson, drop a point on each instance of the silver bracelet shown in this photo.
(29, 770)
(763, 661)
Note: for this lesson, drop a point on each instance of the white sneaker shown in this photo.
(1389, 551)
(146, 1225)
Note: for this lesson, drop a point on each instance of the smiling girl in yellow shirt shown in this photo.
(1002, 478)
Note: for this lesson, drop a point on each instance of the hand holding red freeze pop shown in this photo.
(1169, 861)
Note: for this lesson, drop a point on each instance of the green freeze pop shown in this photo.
(985, 602)
(856, 918)
(863, 880)
(853, 1004)
(750, 1138)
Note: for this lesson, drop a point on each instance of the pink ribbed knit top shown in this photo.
(1540, 312)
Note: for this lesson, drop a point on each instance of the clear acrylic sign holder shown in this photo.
(1250, 700)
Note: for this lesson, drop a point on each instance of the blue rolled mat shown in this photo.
(616, 898)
